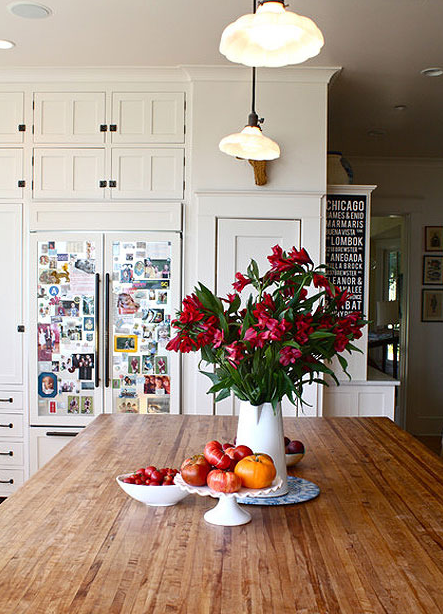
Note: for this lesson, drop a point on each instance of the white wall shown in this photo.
(414, 187)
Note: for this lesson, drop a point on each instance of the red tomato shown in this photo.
(140, 472)
(157, 476)
(223, 481)
(149, 470)
(215, 455)
(238, 453)
(154, 483)
(225, 446)
(195, 469)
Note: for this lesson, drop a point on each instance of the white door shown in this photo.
(67, 174)
(69, 117)
(11, 173)
(11, 117)
(141, 117)
(11, 312)
(147, 173)
(239, 240)
(45, 443)
(65, 328)
(142, 294)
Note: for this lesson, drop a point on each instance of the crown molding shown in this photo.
(92, 74)
(288, 74)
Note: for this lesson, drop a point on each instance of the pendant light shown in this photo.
(250, 144)
(272, 36)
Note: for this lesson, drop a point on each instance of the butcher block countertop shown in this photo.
(72, 542)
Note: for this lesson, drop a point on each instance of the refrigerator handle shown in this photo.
(97, 330)
(107, 302)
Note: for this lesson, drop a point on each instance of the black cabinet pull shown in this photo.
(113, 128)
(112, 184)
(102, 184)
(10, 400)
(21, 183)
(10, 453)
(7, 426)
(22, 127)
(107, 305)
(103, 128)
(11, 481)
(61, 434)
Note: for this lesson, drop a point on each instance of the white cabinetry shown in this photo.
(142, 117)
(11, 173)
(46, 442)
(11, 117)
(69, 117)
(69, 173)
(11, 305)
(147, 173)
(12, 448)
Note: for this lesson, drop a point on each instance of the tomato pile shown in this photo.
(226, 468)
(151, 476)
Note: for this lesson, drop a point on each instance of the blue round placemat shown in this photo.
(299, 491)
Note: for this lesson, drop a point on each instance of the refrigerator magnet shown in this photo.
(125, 343)
(47, 385)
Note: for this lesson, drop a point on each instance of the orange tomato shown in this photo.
(256, 471)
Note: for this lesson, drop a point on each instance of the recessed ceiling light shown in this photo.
(432, 72)
(376, 133)
(29, 10)
(6, 44)
(400, 107)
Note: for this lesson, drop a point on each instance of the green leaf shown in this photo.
(224, 394)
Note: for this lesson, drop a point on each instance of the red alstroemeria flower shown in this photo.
(340, 343)
(192, 310)
(241, 282)
(219, 337)
(300, 257)
(288, 355)
(235, 351)
(182, 344)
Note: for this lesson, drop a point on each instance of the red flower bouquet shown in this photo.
(279, 340)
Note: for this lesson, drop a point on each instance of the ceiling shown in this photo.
(381, 44)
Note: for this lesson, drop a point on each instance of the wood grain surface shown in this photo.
(72, 542)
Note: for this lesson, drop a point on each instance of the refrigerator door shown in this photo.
(65, 328)
(142, 294)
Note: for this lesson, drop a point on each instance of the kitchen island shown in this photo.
(71, 541)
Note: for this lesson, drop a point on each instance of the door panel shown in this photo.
(11, 172)
(69, 117)
(66, 275)
(69, 173)
(147, 173)
(141, 117)
(11, 117)
(144, 292)
(239, 240)
(11, 311)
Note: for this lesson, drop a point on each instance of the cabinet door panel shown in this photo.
(11, 306)
(238, 241)
(69, 173)
(11, 172)
(69, 117)
(45, 443)
(142, 117)
(147, 173)
(11, 116)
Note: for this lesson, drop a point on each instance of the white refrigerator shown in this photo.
(101, 311)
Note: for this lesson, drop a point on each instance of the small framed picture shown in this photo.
(432, 306)
(125, 343)
(433, 270)
(47, 385)
(434, 238)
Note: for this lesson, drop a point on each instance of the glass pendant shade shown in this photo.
(250, 144)
(271, 37)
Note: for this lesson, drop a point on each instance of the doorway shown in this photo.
(388, 303)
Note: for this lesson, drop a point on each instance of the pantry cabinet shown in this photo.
(147, 173)
(12, 127)
(148, 117)
(69, 117)
(11, 173)
(11, 313)
(69, 173)
(12, 441)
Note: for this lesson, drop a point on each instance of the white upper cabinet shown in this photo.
(11, 173)
(141, 117)
(11, 306)
(69, 173)
(11, 117)
(69, 117)
(142, 173)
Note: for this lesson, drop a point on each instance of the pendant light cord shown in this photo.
(253, 117)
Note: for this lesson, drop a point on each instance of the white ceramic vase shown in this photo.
(261, 429)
